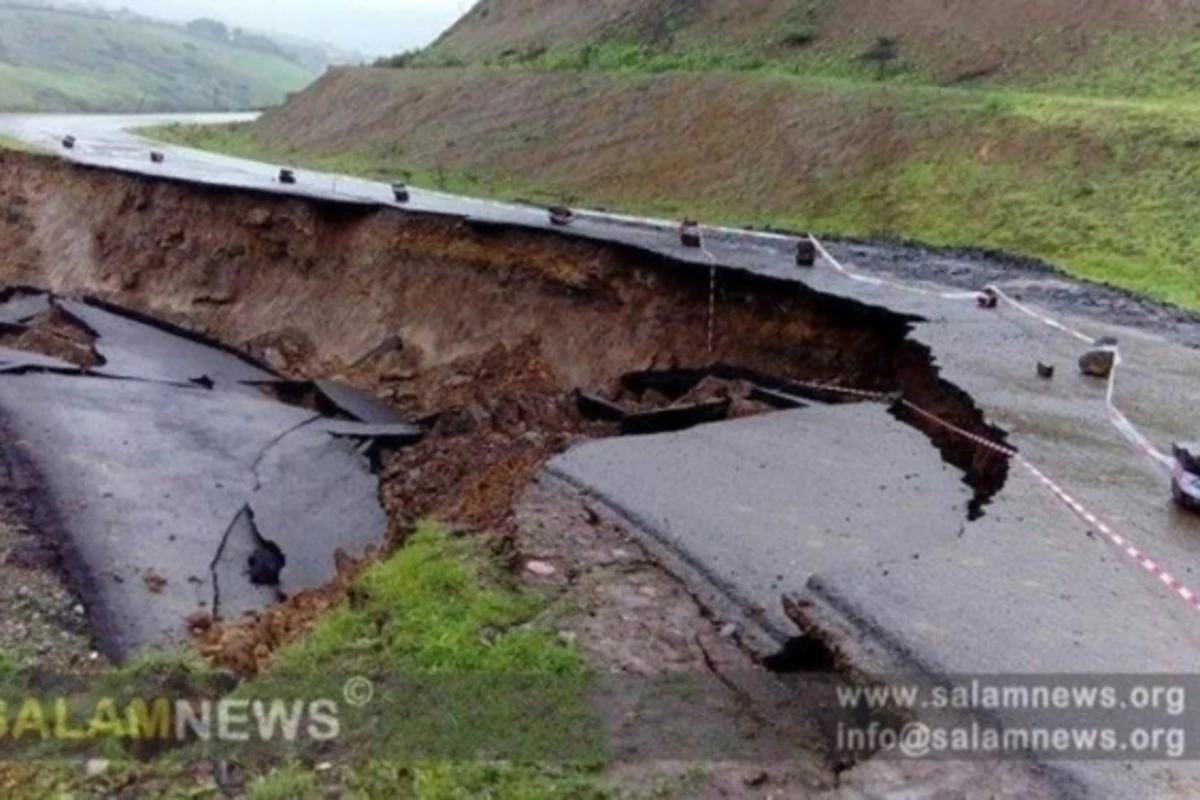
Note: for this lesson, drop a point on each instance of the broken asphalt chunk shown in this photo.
(18, 305)
(393, 434)
(775, 399)
(676, 418)
(594, 407)
(673, 383)
(357, 404)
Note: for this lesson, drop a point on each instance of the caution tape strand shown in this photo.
(1126, 547)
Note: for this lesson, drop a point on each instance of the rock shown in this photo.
(258, 218)
(540, 568)
(276, 359)
(756, 778)
(199, 622)
(457, 421)
(1188, 455)
(154, 582)
(1099, 360)
(729, 631)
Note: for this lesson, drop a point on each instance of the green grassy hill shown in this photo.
(58, 60)
(1105, 47)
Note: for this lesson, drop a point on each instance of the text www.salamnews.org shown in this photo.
(975, 694)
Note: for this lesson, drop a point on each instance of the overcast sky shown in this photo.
(374, 27)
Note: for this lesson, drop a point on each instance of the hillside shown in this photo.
(1090, 168)
(1104, 46)
(62, 60)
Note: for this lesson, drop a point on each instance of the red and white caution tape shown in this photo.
(1120, 542)
(1114, 414)
(712, 293)
(1127, 428)
(1053, 323)
(877, 281)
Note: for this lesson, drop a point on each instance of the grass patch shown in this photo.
(13, 143)
(440, 614)
(442, 632)
(9, 143)
(692, 56)
(377, 162)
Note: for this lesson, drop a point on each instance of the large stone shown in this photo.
(1099, 360)
(1188, 455)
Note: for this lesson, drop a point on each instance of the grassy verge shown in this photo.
(437, 613)
(1116, 66)
(9, 143)
(373, 162)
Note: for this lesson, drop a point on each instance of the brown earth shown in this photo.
(754, 144)
(488, 329)
(53, 333)
(1025, 38)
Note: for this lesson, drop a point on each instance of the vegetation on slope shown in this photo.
(1112, 47)
(59, 60)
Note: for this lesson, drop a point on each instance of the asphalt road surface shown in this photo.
(816, 503)
(163, 488)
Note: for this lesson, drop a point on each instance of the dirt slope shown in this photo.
(1020, 37)
(758, 144)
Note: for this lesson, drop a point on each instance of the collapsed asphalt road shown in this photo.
(172, 485)
(1026, 588)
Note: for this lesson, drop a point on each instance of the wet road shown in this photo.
(162, 488)
(1029, 588)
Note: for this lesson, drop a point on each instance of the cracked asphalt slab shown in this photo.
(744, 501)
(1024, 589)
(132, 349)
(148, 477)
